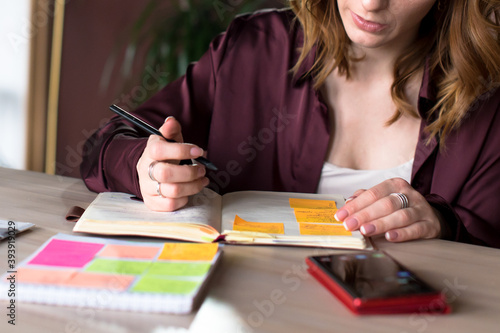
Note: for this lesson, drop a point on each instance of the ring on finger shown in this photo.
(152, 171)
(403, 199)
(158, 189)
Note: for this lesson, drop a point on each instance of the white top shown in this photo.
(345, 181)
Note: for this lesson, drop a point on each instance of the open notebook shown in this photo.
(112, 274)
(246, 217)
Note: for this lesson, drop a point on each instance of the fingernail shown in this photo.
(351, 224)
(351, 198)
(367, 229)
(196, 151)
(341, 214)
(201, 172)
(168, 118)
(391, 235)
(206, 181)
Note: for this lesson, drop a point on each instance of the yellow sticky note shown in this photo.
(323, 230)
(312, 203)
(315, 215)
(265, 227)
(188, 251)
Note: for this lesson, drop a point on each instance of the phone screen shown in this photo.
(372, 275)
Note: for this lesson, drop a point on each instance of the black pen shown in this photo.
(151, 130)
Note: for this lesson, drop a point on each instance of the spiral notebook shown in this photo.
(112, 274)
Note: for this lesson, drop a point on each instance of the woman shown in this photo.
(397, 97)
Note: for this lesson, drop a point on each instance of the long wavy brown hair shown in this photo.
(459, 39)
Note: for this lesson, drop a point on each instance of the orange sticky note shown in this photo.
(312, 203)
(112, 282)
(315, 215)
(129, 251)
(266, 227)
(323, 229)
(188, 251)
(43, 276)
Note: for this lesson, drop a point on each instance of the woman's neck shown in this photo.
(377, 62)
(372, 66)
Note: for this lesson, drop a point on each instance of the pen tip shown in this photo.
(211, 166)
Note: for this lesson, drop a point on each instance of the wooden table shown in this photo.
(255, 289)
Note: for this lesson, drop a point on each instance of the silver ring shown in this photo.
(152, 171)
(405, 203)
(158, 190)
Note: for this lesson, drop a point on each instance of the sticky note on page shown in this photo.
(111, 282)
(159, 284)
(313, 229)
(315, 215)
(265, 227)
(36, 275)
(65, 253)
(168, 268)
(74, 278)
(130, 251)
(130, 267)
(188, 251)
(312, 203)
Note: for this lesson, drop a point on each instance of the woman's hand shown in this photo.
(376, 211)
(166, 185)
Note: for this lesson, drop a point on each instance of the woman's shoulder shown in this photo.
(487, 104)
(276, 22)
(481, 124)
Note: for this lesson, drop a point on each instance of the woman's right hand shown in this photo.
(173, 183)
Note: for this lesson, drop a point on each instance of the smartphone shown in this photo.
(374, 283)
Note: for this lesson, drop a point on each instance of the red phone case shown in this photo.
(428, 303)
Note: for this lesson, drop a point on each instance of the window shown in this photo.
(15, 37)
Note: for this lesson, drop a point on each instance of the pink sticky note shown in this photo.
(66, 253)
(130, 251)
(110, 282)
(44, 276)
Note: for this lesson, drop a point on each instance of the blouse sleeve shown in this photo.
(478, 208)
(111, 154)
(470, 203)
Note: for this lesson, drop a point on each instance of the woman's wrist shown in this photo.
(444, 229)
(446, 216)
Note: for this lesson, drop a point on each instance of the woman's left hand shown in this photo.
(376, 211)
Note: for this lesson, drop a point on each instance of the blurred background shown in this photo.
(14, 57)
(62, 63)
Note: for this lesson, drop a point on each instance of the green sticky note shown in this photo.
(158, 284)
(207, 239)
(178, 269)
(118, 266)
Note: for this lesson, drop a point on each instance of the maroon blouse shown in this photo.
(268, 130)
